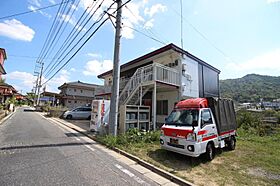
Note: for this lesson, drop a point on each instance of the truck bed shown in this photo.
(224, 114)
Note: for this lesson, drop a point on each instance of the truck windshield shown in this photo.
(183, 118)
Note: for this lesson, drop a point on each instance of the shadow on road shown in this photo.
(44, 145)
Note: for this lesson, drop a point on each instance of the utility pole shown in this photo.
(39, 84)
(113, 115)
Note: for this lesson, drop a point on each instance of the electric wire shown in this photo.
(31, 11)
(75, 34)
(155, 39)
(84, 42)
(59, 62)
(58, 30)
(65, 26)
(156, 36)
(201, 34)
(50, 31)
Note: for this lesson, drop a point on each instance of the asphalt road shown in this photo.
(34, 151)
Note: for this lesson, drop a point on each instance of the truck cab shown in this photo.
(191, 129)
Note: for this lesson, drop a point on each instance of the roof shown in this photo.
(170, 46)
(7, 85)
(79, 84)
(3, 52)
(192, 103)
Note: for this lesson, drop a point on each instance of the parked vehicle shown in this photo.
(100, 116)
(199, 126)
(78, 113)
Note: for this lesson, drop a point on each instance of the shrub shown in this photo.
(132, 136)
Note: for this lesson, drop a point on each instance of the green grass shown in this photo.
(255, 161)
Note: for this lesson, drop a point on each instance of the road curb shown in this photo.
(2, 121)
(145, 164)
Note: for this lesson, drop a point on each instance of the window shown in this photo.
(183, 117)
(206, 118)
(75, 101)
(69, 101)
(75, 90)
(162, 107)
(81, 91)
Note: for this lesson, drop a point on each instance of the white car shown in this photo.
(78, 113)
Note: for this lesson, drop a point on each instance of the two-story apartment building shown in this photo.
(74, 94)
(160, 79)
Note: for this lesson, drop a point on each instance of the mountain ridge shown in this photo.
(251, 87)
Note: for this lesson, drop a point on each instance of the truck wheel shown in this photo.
(231, 143)
(210, 152)
(69, 117)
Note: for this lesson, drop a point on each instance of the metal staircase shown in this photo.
(141, 81)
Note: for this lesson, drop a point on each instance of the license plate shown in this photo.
(174, 141)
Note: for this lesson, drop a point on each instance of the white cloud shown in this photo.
(155, 9)
(52, 1)
(35, 2)
(33, 8)
(272, 1)
(94, 55)
(127, 32)
(95, 67)
(72, 21)
(132, 14)
(72, 69)
(14, 29)
(267, 64)
(24, 80)
(149, 24)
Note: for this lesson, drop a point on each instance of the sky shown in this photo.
(238, 37)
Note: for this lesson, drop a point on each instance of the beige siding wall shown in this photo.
(172, 97)
(80, 92)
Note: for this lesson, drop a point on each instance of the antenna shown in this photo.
(182, 43)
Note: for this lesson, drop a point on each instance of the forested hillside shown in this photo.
(251, 88)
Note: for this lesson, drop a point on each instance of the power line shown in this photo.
(86, 40)
(202, 35)
(155, 39)
(59, 28)
(54, 66)
(149, 30)
(31, 11)
(70, 36)
(49, 33)
(76, 51)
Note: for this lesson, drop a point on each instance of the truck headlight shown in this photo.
(191, 137)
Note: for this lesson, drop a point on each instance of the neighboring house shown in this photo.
(75, 94)
(50, 98)
(159, 80)
(3, 57)
(6, 91)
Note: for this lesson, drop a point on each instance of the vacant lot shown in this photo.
(255, 161)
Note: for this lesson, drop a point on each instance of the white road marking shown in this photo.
(77, 138)
(89, 147)
(130, 174)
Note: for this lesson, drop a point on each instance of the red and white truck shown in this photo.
(199, 126)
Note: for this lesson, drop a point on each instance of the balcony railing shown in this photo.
(149, 74)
